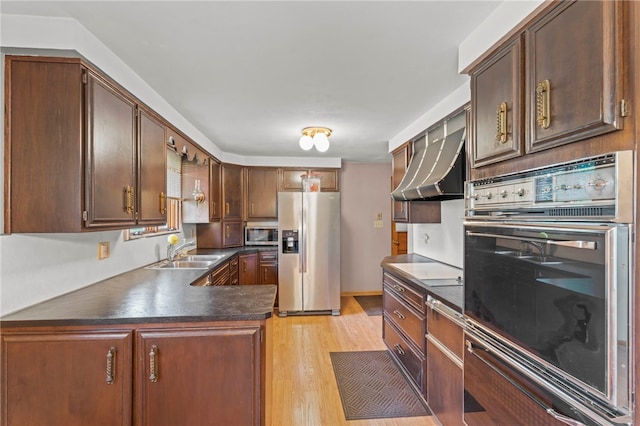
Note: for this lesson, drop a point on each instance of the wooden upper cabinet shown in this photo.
(290, 179)
(574, 73)
(262, 193)
(215, 191)
(111, 155)
(43, 145)
(496, 87)
(152, 199)
(103, 165)
(232, 192)
(399, 164)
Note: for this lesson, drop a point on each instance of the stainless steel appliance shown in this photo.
(309, 247)
(547, 293)
(260, 235)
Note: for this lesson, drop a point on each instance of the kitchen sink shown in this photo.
(202, 257)
(183, 264)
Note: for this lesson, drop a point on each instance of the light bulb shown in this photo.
(321, 141)
(306, 142)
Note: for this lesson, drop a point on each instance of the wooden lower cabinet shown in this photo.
(198, 376)
(248, 268)
(184, 373)
(67, 378)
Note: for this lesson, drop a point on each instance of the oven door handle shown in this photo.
(579, 244)
(473, 348)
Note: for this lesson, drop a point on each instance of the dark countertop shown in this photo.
(153, 296)
(452, 296)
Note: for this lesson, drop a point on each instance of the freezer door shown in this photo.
(289, 265)
(321, 251)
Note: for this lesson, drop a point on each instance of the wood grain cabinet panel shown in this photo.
(497, 129)
(248, 268)
(290, 179)
(152, 158)
(185, 376)
(262, 193)
(577, 48)
(67, 378)
(232, 192)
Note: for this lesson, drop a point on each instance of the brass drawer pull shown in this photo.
(228, 208)
(399, 349)
(129, 197)
(153, 364)
(543, 104)
(398, 288)
(501, 123)
(111, 358)
(399, 314)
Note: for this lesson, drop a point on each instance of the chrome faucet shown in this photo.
(174, 251)
(541, 247)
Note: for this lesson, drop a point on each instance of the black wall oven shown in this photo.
(547, 292)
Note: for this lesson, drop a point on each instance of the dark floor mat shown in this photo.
(372, 305)
(372, 387)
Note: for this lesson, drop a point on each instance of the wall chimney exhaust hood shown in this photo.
(438, 166)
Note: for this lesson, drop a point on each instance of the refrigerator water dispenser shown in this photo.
(290, 241)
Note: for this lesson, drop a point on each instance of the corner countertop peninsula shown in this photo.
(152, 296)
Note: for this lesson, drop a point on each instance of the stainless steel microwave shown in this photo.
(261, 236)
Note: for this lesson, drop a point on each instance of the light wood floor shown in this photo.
(304, 387)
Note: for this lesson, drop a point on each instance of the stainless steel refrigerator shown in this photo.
(309, 253)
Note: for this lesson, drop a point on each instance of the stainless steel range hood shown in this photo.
(437, 168)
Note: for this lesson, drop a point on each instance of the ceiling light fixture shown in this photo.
(318, 136)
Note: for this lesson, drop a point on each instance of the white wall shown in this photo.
(441, 241)
(364, 189)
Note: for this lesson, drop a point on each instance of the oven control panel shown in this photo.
(556, 190)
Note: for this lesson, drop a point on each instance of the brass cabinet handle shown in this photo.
(396, 242)
(111, 358)
(244, 266)
(399, 314)
(214, 207)
(163, 203)
(129, 197)
(227, 231)
(264, 275)
(153, 364)
(227, 208)
(501, 123)
(252, 209)
(399, 349)
(543, 104)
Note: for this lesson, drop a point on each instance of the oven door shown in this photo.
(559, 294)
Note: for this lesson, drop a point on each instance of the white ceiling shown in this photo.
(251, 75)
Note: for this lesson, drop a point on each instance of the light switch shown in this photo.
(378, 224)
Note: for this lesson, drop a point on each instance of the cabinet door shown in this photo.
(496, 107)
(329, 179)
(232, 234)
(232, 191)
(111, 153)
(399, 163)
(152, 200)
(262, 193)
(44, 181)
(269, 273)
(444, 385)
(67, 378)
(215, 204)
(248, 268)
(577, 50)
(291, 179)
(198, 376)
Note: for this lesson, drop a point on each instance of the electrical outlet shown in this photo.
(103, 250)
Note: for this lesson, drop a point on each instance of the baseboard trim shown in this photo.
(361, 293)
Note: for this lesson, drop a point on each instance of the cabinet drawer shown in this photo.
(411, 323)
(412, 362)
(446, 332)
(221, 275)
(408, 294)
(268, 256)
